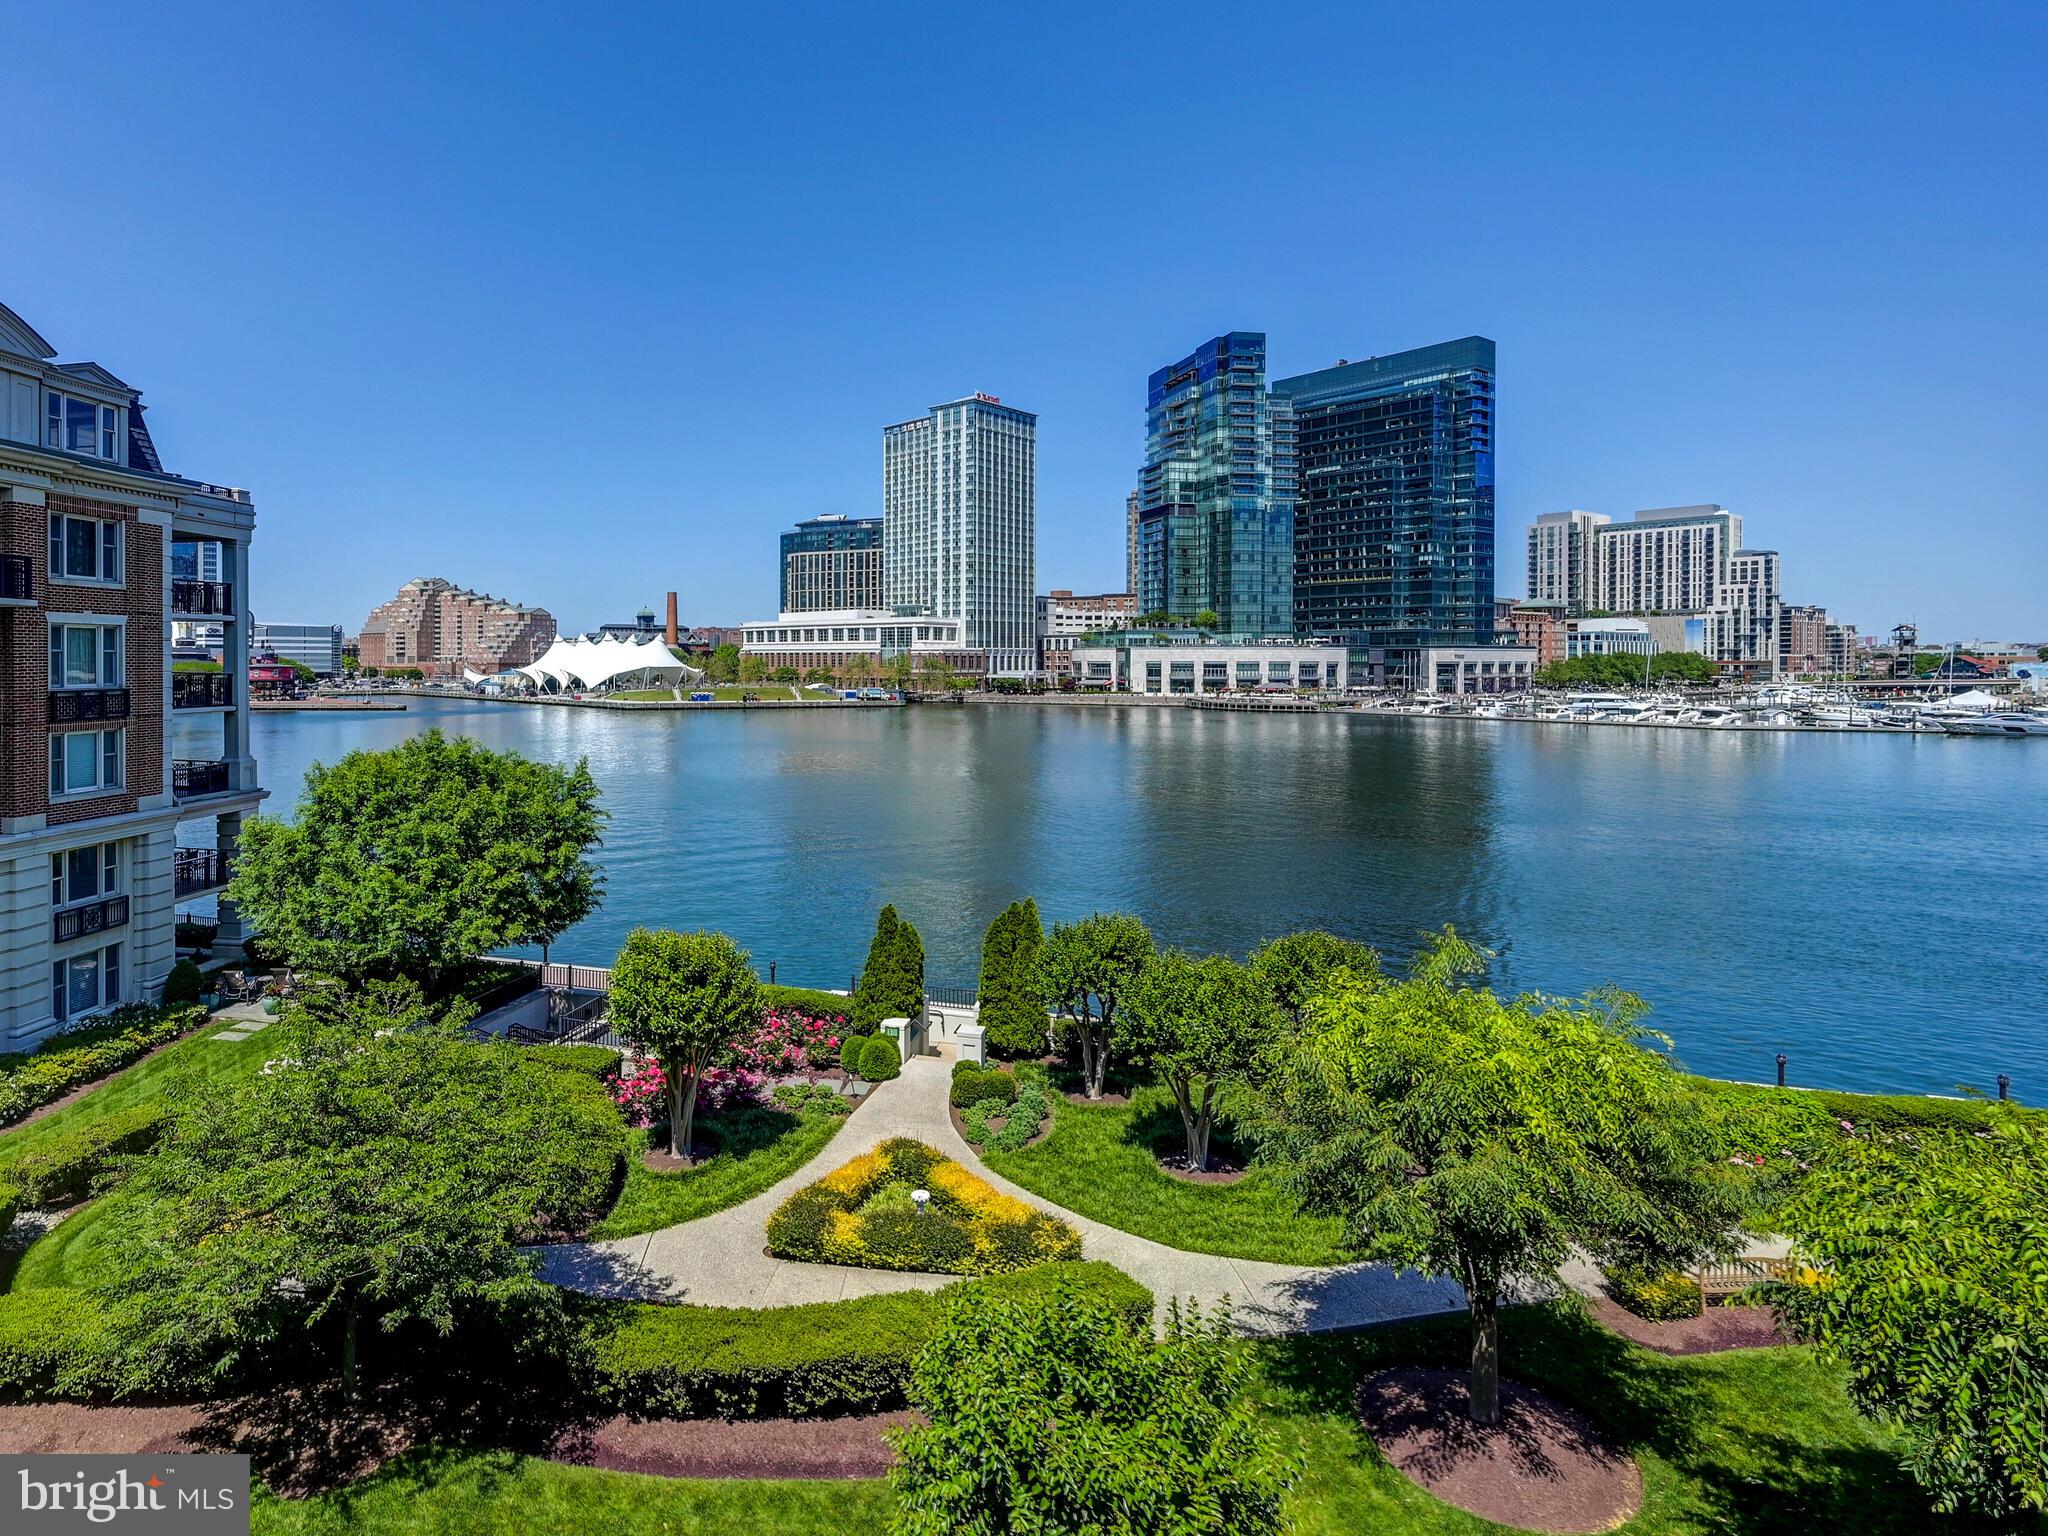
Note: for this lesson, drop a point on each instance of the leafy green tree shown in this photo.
(1485, 1140)
(1055, 1414)
(1201, 1025)
(892, 982)
(723, 664)
(753, 669)
(407, 861)
(1296, 966)
(688, 998)
(1208, 619)
(384, 1172)
(1927, 1282)
(1612, 672)
(1084, 969)
(1012, 1008)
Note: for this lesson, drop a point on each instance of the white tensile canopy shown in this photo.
(593, 665)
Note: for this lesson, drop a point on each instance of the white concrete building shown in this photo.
(1666, 560)
(1476, 668)
(314, 645)
(960, 525)
(1563, 552)
(1144, 665)
(1742, 628)
(1608, 637)
(860, 636)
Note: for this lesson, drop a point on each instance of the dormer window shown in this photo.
(78, 426)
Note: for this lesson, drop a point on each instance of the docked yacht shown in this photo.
(2014, 722)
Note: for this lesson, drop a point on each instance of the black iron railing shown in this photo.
(952, 997)
(17, 579)
(73, 705)
(201, 690)
(93, 917)
(208, 597)
(195, 870)
(193, 776)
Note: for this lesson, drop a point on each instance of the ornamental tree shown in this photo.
(1200, 1024)
(1054, 1413)
(381, 1172)
(687, 997)
(408, 861)
(892, 982)
(1296, 966)
(1925, 1277)
(1012, 1012)
(1084, 970)
(1485, 1140)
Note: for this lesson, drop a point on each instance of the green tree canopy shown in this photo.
(1296, 966)
(1484, 1140)
(723, 664)
(1931, 1291)
(384, 1170)
(1055, 1414)
(753, 669)
(1012, 1008)
(892, 982)
(1613, 672)
(688, 998)
(1084, 969)
(1199, 1024)
(406, 861)
(1208, 618)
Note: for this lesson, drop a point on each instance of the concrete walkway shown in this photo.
(721, 1260)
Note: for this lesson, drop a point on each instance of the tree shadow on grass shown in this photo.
(1758, 1451)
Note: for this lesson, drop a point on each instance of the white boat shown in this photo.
(1593, 706)
(2008, 723)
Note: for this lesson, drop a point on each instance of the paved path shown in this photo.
(721, 1260)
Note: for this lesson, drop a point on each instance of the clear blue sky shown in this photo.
(580, 304)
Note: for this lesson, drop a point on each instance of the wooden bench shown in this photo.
(1732, 1277)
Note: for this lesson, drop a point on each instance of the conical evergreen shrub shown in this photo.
(892, 982)
(1012, 1012)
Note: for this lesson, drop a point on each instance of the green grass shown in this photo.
(1750, 1443)
(759, 1147)
(1103, 1163)
(643, 695)
(73, 1253)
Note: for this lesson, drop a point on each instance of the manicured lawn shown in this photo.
(761, 1146)
(1752, 1443)
(72, 1253)
(1102, 1163)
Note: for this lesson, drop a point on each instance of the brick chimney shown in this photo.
(673, 637)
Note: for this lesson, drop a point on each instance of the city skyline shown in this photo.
(1743, 277)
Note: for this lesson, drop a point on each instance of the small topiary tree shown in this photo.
(1056, 1414)
(1013, 1015)
(687, 997)
(1083, 970)
(892, 982)
(184, 985)
(880, 1060)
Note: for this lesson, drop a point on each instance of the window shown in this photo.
(84, 548)
(85, 656)
(85, 762)
(86, 982)
(78, 426)
(85, 874)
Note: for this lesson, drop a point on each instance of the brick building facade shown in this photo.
(444, 630)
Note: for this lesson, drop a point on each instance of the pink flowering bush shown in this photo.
(788, 1041)
(643, 1097)
(791, 1041)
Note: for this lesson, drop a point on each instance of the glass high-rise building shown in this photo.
(832, 561)
(1216, 499)
(1393, 519)
(960, 525)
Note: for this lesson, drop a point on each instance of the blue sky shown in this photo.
(581, 304)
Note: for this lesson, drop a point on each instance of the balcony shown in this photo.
(17, 579)
(73, 705)
(192, 777)
(197, 871)
(201, 690)
(93, 917)
(215, 598)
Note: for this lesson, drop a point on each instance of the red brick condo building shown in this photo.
(104, 829)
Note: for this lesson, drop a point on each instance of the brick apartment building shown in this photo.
(1064, 618)
(103, 832)
(444, 630)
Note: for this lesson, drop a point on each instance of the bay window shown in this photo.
(85, 762)
(84, 983)
(86, 656)
(85, 548)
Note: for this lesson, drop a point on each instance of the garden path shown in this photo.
(722, 1259)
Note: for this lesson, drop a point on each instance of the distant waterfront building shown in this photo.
(1607, 637)
(862, 638)
(444, 630)
(1742, 628)
(314, 645)
(1063, 618)
(1131, 542)
(1537, 625)
(1394, 511)
(960, 526)
(1215, 505)
(1563, 555)
(833, 561)
(1802, 639)
(1664, 560)
(1188, 663)
(1476, 669)
(1844, 653)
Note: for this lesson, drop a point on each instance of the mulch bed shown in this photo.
(79, 1429)
(1714, 1330)
(996, 1123)
(809, 1448)
(1224, 1168)
(1107, 1101)
(1541, 1468)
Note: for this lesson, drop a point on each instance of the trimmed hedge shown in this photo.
(829, 1357)
(973, 1085)
(55, 1343)
(1022, 1119)
(822, 1005)
(880, 1059)
(10, 1203)
(70, 1167)
(77, 1057)
(600, 1062)
(1658, 1298)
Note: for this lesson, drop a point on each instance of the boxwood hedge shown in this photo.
(76, 1057)
(69, 1167)
(824, 1005)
